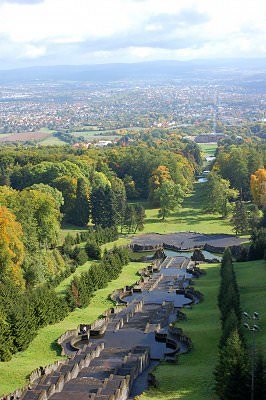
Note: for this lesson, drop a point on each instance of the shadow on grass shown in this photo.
(155, 221)
(56, 348)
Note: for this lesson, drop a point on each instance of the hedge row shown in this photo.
(82, 288)
(229, 299)
(231, 373)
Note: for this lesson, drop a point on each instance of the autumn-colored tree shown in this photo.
(160, 175)
(11, 247)
(258, 187)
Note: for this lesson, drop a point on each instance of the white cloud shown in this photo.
(122, 30)
(32, 51)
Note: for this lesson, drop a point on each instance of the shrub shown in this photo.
(79, 255)
(93, 250)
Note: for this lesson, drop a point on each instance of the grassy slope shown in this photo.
(192, 378)
(66, 282)
(252, 283)
(84, 268)
(191, 217)
(43, 350)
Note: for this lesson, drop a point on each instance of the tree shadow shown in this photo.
(56, 348)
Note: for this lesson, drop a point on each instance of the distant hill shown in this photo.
(157, 70)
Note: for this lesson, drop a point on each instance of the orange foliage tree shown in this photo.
(258, 187)
(11, 247)
(160, 175)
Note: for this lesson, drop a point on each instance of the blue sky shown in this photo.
(52, 32)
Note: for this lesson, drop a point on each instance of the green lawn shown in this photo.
(251, 280)
(208, 148)
(190, 217)
(43, 350)
(69, 228)
(192, 378)
(122, 241)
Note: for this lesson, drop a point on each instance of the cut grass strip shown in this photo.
(252, 284)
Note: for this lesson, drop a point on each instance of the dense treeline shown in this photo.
(110, 176)
(23, 313)
(238, 163)
(232, 373)
(133, 164)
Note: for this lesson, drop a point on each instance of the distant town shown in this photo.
(84, 113)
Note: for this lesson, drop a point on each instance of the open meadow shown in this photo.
(190, 217)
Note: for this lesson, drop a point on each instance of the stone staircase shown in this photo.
(96, 373)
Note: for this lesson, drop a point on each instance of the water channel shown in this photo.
(207, 164)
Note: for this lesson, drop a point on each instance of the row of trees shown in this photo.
(82, 287)
(232, 376)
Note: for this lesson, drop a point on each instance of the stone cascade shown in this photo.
(49, 384)
(94, 373)
(148, 283)
(125, 315)
(108, 377)
(107, 357)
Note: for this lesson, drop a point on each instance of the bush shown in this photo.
(93, 250)
(80, 256)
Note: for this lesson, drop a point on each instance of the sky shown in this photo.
(65, 32)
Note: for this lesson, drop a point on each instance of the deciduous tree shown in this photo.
(169, 196)
(258, 187)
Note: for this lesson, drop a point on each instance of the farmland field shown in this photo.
(25, 136)
(52, 141)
